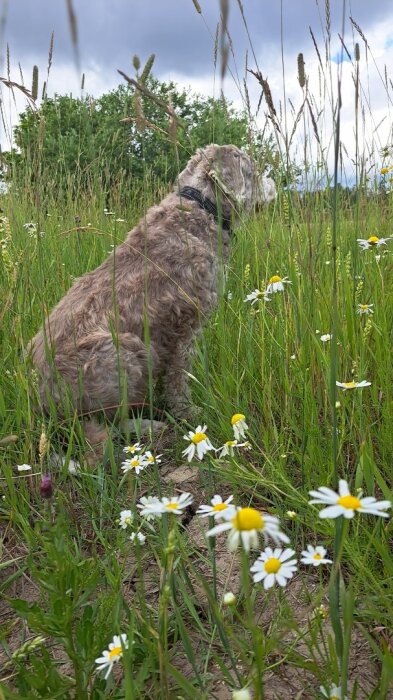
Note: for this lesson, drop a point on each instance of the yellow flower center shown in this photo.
(384, 171)
(272, 565)
(220, 506)
(116, 651)
(350, 385)
(231, 443)
(248, 519)
(198, 437)
(128, 520)
(172, 505)
(131, 449)
(373, 240)
(150, 459)
(237, 417)
(350, 502)
(317, 556)
(134, 462)
(275, 278)
(363, 306)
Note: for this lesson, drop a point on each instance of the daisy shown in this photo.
(256, 295)
(276, 284)
(148, 506)
(138, 463)
(176, 504)
(342, 503)
(353, 385)
(372, 242)
(334, 693)
(199, 443)
(239, 425)
(229, 448)
(23, 467)
(30, 226)
(113, 654)
(151, 459)
(315, 556)
(365, 309)
(138, 536)
(126, 518)
(325, 338)
(131, 449)
(217, 508)
(274, 566)
(245, 526)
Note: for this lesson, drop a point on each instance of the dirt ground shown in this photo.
(284, 679)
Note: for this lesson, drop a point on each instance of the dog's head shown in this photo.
(227, 170)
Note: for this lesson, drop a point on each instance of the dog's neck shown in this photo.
(205, 203)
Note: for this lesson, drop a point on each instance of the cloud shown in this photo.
(184, 44)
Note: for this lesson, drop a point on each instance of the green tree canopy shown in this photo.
(120, 136)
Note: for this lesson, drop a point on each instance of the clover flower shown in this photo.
(199, 443)
(276, 284)
(239, 425)
(218, 508)
(113, 654)
(372, 242)
(343, 503)
(353, 385)
(245, 526)
(242, 694)
(315, 556)
(274, 566)
(229, 598)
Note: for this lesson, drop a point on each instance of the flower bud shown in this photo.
(46, 486)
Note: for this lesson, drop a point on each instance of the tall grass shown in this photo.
(71, 578)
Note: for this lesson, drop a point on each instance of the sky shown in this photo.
(110, 33)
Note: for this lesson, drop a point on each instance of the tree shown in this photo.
(78, 140)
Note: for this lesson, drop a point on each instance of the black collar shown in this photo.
(206, 204)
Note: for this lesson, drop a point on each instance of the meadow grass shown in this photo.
(71, 579)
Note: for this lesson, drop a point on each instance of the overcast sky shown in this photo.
(111, 32)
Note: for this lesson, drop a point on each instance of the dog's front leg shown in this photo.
(176, 384)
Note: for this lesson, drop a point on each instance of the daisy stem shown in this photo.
(341, 529)
(131, 486)
(256, 633)
(165, 592)
(212, 548)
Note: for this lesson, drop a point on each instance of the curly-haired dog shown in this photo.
(136, 315)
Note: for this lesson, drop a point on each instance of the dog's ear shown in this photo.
(230, 171)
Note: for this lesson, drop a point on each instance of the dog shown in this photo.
(135, 318)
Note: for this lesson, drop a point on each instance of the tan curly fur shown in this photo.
(92, 350)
